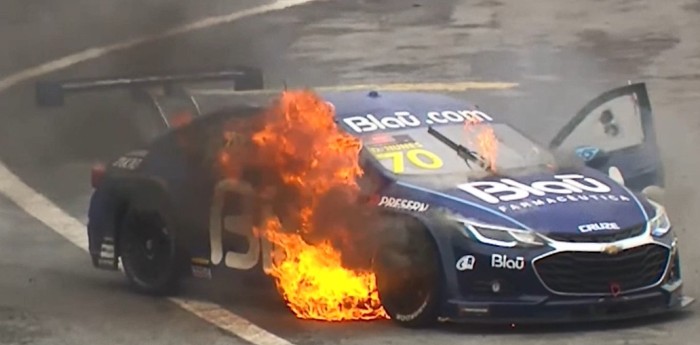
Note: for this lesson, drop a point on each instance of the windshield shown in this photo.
(415, 152)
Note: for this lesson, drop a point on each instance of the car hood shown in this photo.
(565, 202)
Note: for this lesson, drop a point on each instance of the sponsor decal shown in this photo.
(107, 251)
(503, 261)
(466, 263)
(399, 153)
(381, 139)
(129, 163)
(106, 263)
(201, 272)
(598, 227)
(382, 144)
(404, 119)
(403, 204)
(517, 195)
(107, 258)
(415, 314)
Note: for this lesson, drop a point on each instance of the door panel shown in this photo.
(616, 129)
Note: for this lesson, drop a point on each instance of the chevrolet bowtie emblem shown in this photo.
(612, 250)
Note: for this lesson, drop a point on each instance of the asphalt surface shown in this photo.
(562, 53)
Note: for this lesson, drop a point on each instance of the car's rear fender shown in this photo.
(109, 205)
(103, 220)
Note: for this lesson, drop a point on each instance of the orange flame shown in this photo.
(485, 141)
(314, 284)
(310, 157)
(301, 138)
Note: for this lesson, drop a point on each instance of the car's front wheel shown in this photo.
(149, 253)
(407, 268)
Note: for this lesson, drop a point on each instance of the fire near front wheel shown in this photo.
(408, 276)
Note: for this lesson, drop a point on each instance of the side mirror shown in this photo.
(593, 156)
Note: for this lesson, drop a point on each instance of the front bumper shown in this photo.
(549, 309)
(576, 286)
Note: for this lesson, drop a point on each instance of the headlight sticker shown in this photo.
(501, 237)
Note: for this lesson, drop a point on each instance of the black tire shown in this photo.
(149, 253)
(409, 277)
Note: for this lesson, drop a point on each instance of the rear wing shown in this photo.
(53, 93)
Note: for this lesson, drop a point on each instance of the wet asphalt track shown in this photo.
(561, 52)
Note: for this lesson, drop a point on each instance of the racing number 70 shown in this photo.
(421, 158)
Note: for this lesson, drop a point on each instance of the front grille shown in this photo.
(594, 273)
(600, 237)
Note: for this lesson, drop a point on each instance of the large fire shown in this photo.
(310, 167)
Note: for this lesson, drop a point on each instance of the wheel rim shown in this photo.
(148, 250)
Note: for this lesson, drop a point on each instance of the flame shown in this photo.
(306, 158)
(485, 141)
(302, 140)
(314, 284)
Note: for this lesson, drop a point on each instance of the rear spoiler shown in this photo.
(53, 93)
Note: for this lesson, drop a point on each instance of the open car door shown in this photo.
(615, 133)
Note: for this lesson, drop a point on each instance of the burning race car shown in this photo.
(410, 206)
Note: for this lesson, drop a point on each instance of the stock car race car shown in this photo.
(533, 236)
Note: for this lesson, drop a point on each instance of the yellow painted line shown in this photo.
(443, 87)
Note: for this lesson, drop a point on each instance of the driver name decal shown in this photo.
(511, 195)
(404, 119)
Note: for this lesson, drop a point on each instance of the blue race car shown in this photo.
(494, 227)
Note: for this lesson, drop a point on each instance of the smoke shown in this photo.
(109, 120)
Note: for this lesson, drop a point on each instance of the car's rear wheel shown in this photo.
(408, 276)
(149, 253)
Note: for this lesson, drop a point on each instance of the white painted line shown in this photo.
(444, 87)
(41, 208)
(96, 52)
(230, 322)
